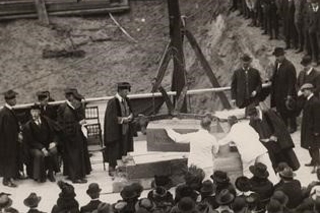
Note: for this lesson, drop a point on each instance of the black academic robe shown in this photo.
(310, 127)
(282, 149)
(9, 147)
(113, 137)
(75, 149)
(243, 85)
(90, 207)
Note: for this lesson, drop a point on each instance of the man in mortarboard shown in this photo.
(118, 135)
(41, 140)
(71, 117)
(9, 145)
(246, 84)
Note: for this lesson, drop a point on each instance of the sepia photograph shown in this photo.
(159, 106)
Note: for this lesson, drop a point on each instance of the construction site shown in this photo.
(93, 44)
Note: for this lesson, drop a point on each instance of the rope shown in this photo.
(122, 29)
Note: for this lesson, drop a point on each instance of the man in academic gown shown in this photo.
(118, 134)
(9, 147)
(41, 140)
(274, 136)
(71, 118)
(310, 127)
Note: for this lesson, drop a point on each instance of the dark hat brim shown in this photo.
(32, 202)
(220, 180)
(93, 191)
(225, 202)
(256, 174)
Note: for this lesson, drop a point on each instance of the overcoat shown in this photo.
(9, 147)
(75, 149)
(243, 85)
(311, 124)
(283, 84)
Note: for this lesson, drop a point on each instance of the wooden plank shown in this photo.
(207, 68)
(42, 12)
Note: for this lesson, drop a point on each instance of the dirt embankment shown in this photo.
(223, 38)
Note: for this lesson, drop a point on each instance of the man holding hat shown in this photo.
(310, 127)
(118, 132)
(308, 75)
(41, 140)
(246, 84)
(9, 147)
(71, 118)
(283, 89)
(94, 193)
(32, 201)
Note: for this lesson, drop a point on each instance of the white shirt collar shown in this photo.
(95, 199)
(310, 96)
(69, 104)
(309, 71)
(8, 106)
(119, 97)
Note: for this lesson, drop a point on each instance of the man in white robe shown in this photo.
(249, 147)
(203, 145)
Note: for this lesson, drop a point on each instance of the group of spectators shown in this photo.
(296, 21)
(196, 195)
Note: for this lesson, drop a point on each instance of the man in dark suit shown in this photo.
(41, 140)
(47, 110)
(290, 32)
(299, 23)
(118, 136)
(310, 127)
(32, 202)
(283, 89)
(313, 18)
(94, 192)
(71, 118)
(246, 84)
(9, 147)
(308, 75)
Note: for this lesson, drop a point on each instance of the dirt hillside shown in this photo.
(223, 37)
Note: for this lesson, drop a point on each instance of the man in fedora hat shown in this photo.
(246, 84)
(308, 75)
(71, 118)
(32, 201)
(118, 131)
(291, 187)
(310, 127)
(9, 145)
(47, 110)
(5, 203)
(283, 89)
(41, 140)
(222, 181)
(185, 205)
(224, 199)
(244, 136)
(162, 198)
(208, 194)
(129, 195)
(94, 193)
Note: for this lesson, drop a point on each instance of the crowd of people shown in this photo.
(296, 21)
(196, 195)
(45, 136)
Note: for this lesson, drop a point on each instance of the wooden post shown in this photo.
(179, 75)
(42, 12)
(207, 68)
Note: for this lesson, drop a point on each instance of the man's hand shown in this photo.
(265, 140)
(253, 94)
(20, 137)
(300, 93)
(130, 117)
(45, 152)
(52, 145)
(274, 138)
(83, 122)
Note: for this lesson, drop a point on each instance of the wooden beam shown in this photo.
(179, 75)
(42, 12)
(207, 68)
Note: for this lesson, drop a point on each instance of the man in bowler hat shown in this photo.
(9, 145)
(94, 193)
(246, 84)
(283, 89)
(118, 131)
(41, 140)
